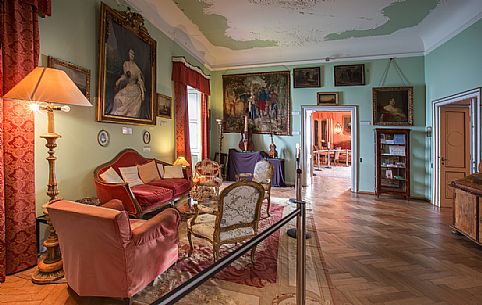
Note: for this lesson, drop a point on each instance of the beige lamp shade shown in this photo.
(181, 161)
(48, 85)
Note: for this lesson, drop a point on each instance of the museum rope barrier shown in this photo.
(300, 213)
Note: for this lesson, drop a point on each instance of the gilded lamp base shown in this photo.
(53, 273)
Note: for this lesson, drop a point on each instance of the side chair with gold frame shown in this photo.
(236, 219)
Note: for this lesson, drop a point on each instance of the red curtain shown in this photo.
(183, 147)
(205, 119)
(18, 56)
(183, 76)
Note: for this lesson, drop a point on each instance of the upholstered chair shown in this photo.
(236, 219)
(263, 174)
(207, 174)
(107, 254)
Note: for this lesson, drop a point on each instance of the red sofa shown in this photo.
(143, 198)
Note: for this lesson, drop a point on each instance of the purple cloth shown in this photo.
(278, 171)
(244, 162)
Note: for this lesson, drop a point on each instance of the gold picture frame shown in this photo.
(79, 75)
(393, 106)
(327, 98)
(127, 69)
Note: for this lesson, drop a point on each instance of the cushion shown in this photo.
(150, 196)
(160, 168)
(111, 176)
(179, 186)
(135, 223)
(131, 175)
(148, 172)
(204, 226)
(173, 172)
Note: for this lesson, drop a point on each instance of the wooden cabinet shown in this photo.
(467, 207)
(392, 162)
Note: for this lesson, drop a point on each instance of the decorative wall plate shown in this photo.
(146, 137)
(103, 138)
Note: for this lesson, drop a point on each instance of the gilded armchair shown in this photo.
(236, 219)
(263, 174)
(207, 174)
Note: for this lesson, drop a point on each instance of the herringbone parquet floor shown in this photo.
(376, 251)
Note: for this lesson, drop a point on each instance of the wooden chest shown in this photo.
(467, 208)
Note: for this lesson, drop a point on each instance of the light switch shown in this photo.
(126, 130)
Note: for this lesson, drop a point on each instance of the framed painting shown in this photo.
(327, 98)
(127, 69)
(349, 75)
(393, 106)
(265, 97)
(79, 75)
(164, 106)
(306, 77)
(346, 124)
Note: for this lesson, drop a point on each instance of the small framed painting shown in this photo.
(164, 106)
(306, 77)
(393, 106)
(350, 75)
(346, 124)
(327, 98)
(146, 137)
(103, 138)
(80, 76)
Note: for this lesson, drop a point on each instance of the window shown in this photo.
(194, 109)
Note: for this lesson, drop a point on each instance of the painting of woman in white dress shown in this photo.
(127, 70)
(130, 89)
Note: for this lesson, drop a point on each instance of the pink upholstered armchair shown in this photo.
(107, 254)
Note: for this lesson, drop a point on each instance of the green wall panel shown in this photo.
(71, 34)
(412, 67)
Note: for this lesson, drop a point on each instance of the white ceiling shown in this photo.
(302, 31)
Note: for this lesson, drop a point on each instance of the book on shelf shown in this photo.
(399, 139)
(397, 150)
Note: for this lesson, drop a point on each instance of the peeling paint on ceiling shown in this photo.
(400, 15)
(233, 33)
(215, 26)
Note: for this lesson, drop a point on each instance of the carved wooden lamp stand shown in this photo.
(44, 87)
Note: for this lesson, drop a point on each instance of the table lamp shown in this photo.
(182, 161)
(44, 88)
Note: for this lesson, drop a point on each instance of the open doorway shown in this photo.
(331, 149)
(456, 142)
(329, 141)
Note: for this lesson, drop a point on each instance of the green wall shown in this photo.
(71, 34)
(454, 67)
(412, 67)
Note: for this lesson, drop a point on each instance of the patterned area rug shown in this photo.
(270, 281)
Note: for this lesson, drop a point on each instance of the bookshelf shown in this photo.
(392, 162)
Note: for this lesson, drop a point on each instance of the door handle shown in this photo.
(443, 160)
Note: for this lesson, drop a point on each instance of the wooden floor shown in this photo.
(376, 251)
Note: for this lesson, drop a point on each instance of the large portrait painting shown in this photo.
(127, 69)
(264, 96)
(393, 106)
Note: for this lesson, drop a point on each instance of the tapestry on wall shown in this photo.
(127, 69)
(264, 97)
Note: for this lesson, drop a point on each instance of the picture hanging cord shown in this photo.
(399, 71)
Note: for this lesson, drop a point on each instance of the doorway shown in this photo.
(456, 142)
(330, 143)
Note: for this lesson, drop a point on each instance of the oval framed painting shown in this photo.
(103, 138)
(146, 137)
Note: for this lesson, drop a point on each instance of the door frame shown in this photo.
(474, 96)
(306, 134)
